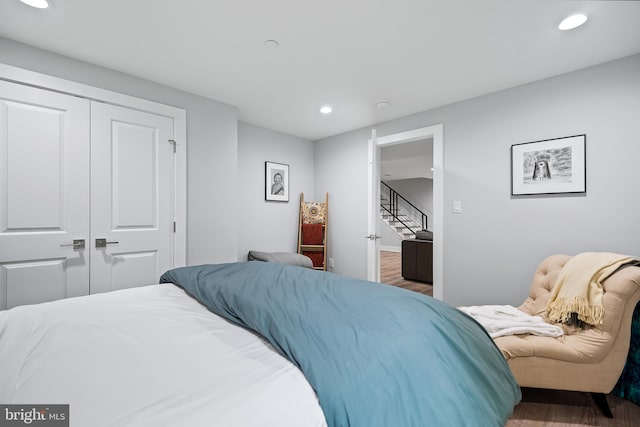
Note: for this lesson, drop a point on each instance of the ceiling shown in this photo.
(407, 160)
(350, 54)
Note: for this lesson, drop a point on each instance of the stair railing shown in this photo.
(398, 205)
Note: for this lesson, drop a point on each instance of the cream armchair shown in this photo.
(587, 360)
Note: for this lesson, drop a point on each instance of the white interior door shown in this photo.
(435, 132)
(373, 245)
(44, 195)
(132, 203)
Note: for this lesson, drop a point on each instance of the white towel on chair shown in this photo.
(499, 320)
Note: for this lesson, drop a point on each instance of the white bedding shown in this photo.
(501, 320)
(149, 356)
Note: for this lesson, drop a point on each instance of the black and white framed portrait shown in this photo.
(550, 166)
(276, 182)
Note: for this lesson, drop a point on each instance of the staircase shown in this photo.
(401, 215)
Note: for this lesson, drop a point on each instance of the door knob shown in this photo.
(77, 244)
(102, 243)
(372, 237)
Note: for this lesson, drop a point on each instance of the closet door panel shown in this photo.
(26, 278)
(132, 204)
(44, 195)
(131, 269)
(134, 177)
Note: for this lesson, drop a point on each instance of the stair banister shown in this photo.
(393, 209)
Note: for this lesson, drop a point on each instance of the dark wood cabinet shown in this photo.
(417, 260)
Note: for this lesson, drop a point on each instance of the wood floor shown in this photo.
(391, 274)
(538, 408)
(553, 408)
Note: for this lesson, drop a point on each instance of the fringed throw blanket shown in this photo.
(578, 288)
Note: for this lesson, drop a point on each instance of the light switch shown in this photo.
(457, 206)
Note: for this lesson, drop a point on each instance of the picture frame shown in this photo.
(276, 182)
(549, 166)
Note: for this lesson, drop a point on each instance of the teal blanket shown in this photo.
(375, 354)
(628, 386)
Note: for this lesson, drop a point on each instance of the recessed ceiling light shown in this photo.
(271, 43)
(572, 22)
(326, 109)
(382, 104)
(40, 4)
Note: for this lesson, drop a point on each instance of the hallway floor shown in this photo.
(391, 274)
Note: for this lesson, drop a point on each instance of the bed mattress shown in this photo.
(149, 356)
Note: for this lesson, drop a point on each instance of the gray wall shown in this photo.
(270, 226)
(492, 248)
(419, 191)
(341, 170)
(390, 240)
(212, 150)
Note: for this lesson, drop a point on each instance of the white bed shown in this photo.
(171, 363)
(328, 350)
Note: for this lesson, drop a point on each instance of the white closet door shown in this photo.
(44, 195)
(132, 197)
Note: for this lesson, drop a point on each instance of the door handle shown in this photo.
(77, 244)
(372, 237)
(102, 243)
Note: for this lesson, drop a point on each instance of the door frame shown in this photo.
(373, 210)
(437, 133)
(178, 115)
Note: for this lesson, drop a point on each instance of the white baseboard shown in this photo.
(390, 248)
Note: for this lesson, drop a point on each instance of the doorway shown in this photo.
(435, 133)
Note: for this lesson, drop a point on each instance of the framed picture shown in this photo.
(276, 182)
(550, 166)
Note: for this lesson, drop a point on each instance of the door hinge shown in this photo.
(174, 143)
(174, 226)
